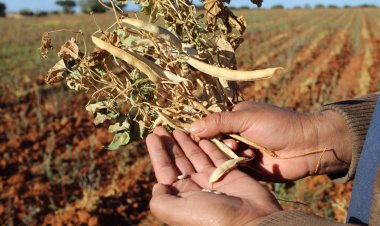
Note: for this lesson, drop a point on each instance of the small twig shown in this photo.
(295, 202)
(304, 154)
(319, 161)
(115, 12)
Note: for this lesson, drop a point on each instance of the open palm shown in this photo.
(181, 202)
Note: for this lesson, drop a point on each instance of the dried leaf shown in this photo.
(213, 9)
(104, 111)
(226, 52)
(56, 73)
(119, 126)
(119, 139)
(238, 23)
(69, 51)
(102, 116)
(142, 129)
(92, 108)
(97, 57)
(45, 45)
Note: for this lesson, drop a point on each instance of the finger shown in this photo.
(197, 157)
(247, 153)
(195, 138)
(165, 170)
(216, 156)
(221, 122)
(231, 143)
(175, 152)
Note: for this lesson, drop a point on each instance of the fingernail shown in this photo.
(197, 127)
(154, 187)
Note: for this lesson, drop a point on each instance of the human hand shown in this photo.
(287, 133)
(243, 201)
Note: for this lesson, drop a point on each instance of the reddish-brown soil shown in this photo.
(59, 173)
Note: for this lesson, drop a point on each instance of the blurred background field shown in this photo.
(53, 165)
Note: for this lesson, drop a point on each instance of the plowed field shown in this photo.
(54, 169)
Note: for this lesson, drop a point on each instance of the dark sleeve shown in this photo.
(375, 207)
(296, 218)
(357, 113)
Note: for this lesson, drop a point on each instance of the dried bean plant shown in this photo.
(142, 75)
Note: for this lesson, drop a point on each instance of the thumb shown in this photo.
(221, 122)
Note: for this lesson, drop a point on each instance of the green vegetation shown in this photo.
(88, 6)
(41, 13)
(26, 12)
(67, 5)
(367, 6)
(332, 7)
(278, 6)
(319, 6)
(3, 7)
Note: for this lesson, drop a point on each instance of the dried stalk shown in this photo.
(142, 75)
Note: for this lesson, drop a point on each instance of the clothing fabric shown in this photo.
(357, 114)
(360, 204)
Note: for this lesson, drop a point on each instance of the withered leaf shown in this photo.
(56, 73)
(213, 9)
(45, 45)
(226, 52)
(103, 110)
(238, 23)
(119, 126)
(92, 108)
(69, 51)
(97, 57)
(119, 139)
(103, 115)
(141, 129)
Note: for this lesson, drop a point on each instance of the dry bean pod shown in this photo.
(233, 75)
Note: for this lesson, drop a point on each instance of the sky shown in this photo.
(49, 5)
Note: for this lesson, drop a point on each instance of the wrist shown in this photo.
(255, 215)
(333, 137)
(256, 221)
